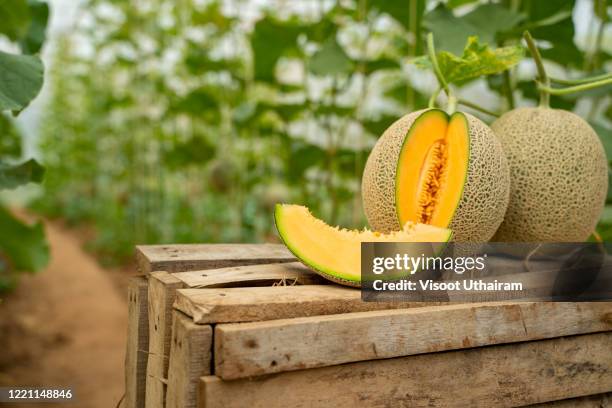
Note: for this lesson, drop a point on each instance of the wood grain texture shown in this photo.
(163, 286)
(162, 292)
(497, 376)
(250, 349)
(279, 302)
(591, 401)
(137, 343)
(190, 359)
(251, 275)
(189, 257)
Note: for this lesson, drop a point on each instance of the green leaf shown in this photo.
(490, 19)
(381, 64)
(196, 102)
(290, 111)
(25, 246)
(458, 3)
(399, 93)
(477, 60)
(486, 21)
(302, 157)
(600, 8)
(211, 13)
(10, 140)
(12, 176)
(541, 10)
(270, 40)
(198, 60)
(35, 37)
(327, 109)
(399, 10)
(450, 32)
(15, 18)
(330, 59)
(552, 21)
(378, 125)
(322, 29)
(21, 77)
(346, 161)
(195, 151)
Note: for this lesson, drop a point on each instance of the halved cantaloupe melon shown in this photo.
(438, 169)
(335, 253)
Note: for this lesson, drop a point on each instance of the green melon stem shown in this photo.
(431, 52)
(576, 88)
(542, 76)
(477, 107)
(451, 104)
(579, 81)
(433, 98)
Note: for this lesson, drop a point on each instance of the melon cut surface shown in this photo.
(430, 193)
(443, 170)
(335, 253)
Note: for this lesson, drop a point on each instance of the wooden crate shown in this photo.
(173, 258)
(234, 340)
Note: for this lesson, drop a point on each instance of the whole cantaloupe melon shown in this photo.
(559, 176)
(432, 168)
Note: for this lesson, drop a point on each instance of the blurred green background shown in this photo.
(175, 121)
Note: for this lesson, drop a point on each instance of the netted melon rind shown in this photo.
(559, 176)
(486, 191)
(378, 182)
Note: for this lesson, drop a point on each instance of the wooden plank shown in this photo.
(189, 257)
(496, 376)
(251, 275)
(250, 349)
(268, 303)
(190, 359)
(137, 343)
(162, 292)
(592, 401)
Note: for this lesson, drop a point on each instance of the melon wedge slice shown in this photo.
(335, 253)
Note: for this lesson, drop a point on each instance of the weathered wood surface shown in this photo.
(288, 274)
(137, 343)
(190, 359)
(189, 257)
(591, 401)
(250, 349)
(279, 302)
(162, 292)
(506, 375)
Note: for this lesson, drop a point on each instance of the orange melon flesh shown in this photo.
(335, 253)
(432, 169)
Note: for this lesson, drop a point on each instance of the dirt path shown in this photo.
(65, 326)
